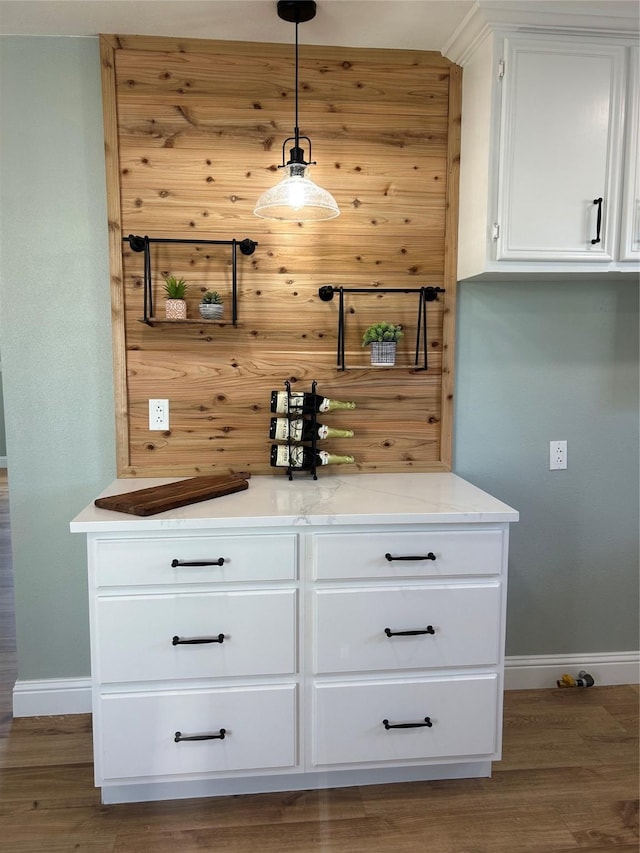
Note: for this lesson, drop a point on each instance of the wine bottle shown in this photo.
(301, 402)
(302, 430)
(304, 457)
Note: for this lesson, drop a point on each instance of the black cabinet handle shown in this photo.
(428, 630)
(220, 736)
(218, 562)
(427, 724)
(429, 556)
(177, 641)
(598, 201)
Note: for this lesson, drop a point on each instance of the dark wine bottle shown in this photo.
(302, 430)
(303, 403)
(304, 458)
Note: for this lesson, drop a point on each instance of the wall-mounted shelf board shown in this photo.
(192, 321)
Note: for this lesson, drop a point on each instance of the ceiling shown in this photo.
(407, 24)
(402, 24)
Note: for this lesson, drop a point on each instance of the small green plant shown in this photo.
(175, 288)
(381, 332)
(211, 297)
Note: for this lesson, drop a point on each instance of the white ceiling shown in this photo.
(404, 24)
(408, 24)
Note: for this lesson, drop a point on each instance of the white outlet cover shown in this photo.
(557, 455)
(158, 414)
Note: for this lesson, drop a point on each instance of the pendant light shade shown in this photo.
(296, 198)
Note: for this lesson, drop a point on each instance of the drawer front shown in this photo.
(349, 719)
(463, 625)
(124, 562)
(138, 731)
(135, 635)
(441, 552)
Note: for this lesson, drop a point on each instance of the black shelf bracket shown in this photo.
(426, 294)
(141, 244)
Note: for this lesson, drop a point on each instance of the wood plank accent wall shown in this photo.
(193, 136)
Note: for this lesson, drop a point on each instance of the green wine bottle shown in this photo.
(302, 403)
(303, 430)
(304, 458)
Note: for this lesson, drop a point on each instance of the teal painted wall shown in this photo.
(55, 330)
(542, 361)
(535, 362)
(3, 437)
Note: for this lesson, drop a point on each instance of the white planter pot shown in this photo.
(383, 353)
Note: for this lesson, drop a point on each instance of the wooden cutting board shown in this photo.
(172, 495)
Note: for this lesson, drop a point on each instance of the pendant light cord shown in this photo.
(297, 130)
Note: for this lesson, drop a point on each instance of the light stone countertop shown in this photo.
(274, 501)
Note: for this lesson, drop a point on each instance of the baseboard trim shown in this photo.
(3, 462)
(533, 673)
(51, 696)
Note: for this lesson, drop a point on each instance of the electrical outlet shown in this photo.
(557, 455)
(159, 414)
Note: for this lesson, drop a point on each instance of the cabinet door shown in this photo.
(138, 731)
(560, 150)
(204, 635)
(457, 625)
(420, 554)
(630, 228)
(350, 719)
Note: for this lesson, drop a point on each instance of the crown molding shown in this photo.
(618, 19)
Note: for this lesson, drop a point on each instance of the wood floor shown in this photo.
(568, 783)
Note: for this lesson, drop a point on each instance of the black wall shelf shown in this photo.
(426, 294)
(142, 244)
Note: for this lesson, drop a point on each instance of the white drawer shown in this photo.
(350, 627)
(135, 635)
(441, 553)
(138, 731)
(349, 719)
(123, 562)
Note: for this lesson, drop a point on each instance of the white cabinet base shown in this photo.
(145, 792)
(251, 645)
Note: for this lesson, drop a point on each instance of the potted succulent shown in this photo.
(382, 338)
(175, 307)
(211, 306)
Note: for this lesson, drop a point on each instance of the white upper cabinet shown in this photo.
(630, 225)
(549, 156)
(560, 151)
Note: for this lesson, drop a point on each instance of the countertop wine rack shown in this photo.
(142, 244)
(425, 294)
(314, 437)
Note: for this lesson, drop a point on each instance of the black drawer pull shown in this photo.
(428, 630)
(218, 562)
(429, 556)
(179, 736)
(197, 641)
(427, 724)
(598, 201)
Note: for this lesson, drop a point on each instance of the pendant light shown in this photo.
(296, 198)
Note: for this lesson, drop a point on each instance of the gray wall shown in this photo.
(535, 362)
